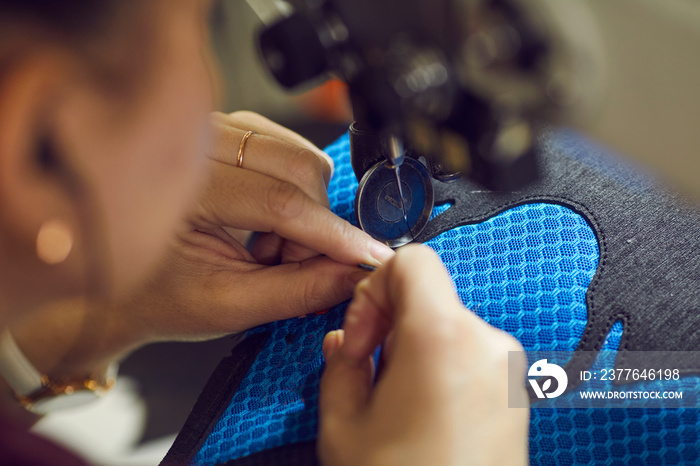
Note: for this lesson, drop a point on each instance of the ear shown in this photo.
(34, 185)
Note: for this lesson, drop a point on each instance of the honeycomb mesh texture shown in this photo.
(525, 271)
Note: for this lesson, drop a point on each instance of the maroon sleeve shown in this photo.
(19, 447)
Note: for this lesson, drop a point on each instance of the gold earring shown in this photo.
(54, 241)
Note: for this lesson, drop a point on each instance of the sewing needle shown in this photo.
(397, 155)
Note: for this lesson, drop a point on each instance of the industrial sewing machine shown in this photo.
(452, 94)
(447, 89)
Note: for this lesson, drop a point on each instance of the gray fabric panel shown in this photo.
(649, 238)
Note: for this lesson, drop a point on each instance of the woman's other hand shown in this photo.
(441, 394)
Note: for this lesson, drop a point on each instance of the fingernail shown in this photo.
(367, 267)
(381, 253)
(331, 343)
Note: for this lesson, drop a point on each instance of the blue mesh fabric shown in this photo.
(526, 271)
(276, 403)
(438, 209)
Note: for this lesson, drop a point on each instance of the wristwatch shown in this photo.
(41, 394)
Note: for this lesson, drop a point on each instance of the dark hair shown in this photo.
(67, 17)
(84, 26)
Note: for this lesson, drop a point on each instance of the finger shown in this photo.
(295, 252)
(256, 122)
(285, 156)
(276, 158)
(266, 294)
(412, 290)
(345, 388)
(270, 249)
(270, 146)
(216, 244)
(252, 201)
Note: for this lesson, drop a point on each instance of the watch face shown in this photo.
(65, 401)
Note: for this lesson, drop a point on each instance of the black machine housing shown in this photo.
(465, 84)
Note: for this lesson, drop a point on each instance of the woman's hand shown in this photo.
(305, 259)
(441, 394)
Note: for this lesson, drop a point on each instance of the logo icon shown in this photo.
(542, 368)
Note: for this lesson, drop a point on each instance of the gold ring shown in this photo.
(241, 148)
